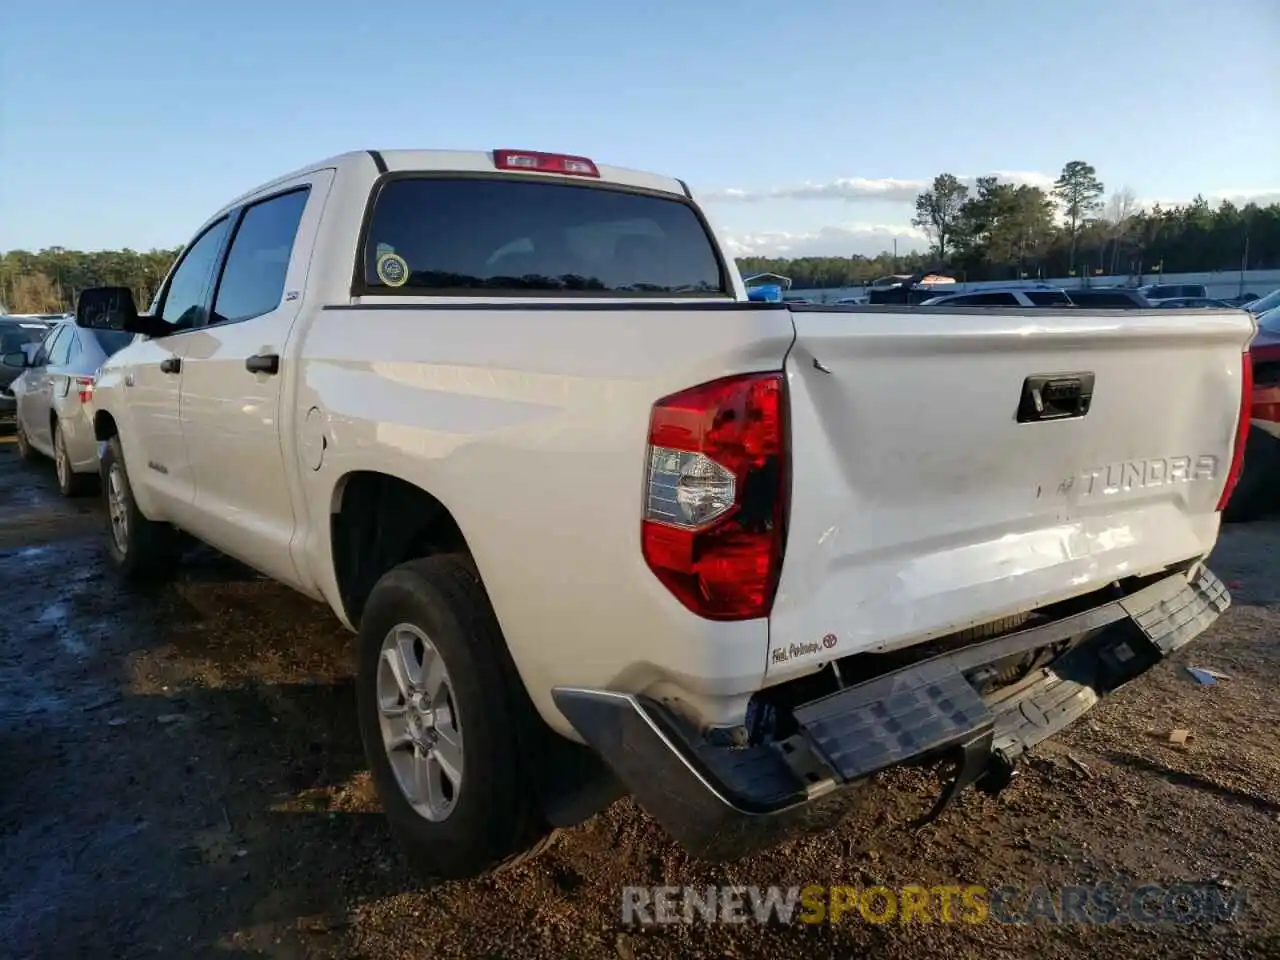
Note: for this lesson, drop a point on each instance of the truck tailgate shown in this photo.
(920, 504)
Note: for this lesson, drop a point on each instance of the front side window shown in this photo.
(498, 236)
(253, 279)
(184, 300)
(42, 355)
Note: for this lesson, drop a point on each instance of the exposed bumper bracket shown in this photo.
(723, 802)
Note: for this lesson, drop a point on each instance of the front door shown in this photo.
(155, 453)
(232, 374)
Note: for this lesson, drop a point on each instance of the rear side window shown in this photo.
(982, 300)
(491, 236)
(111, 341)
(253, 279)
(1098, 299)
(60, 346)
(1050, 298)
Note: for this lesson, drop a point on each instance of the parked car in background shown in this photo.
(1240, 299)
(1196, 303)
(49, 393)
(1120, 297)
(14, 333)
(1258, 491)
(1263, 304)
(1155, 292)
(1037, 296)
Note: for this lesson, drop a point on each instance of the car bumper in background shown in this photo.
(725, 802)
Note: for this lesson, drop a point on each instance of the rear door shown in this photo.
(232, 376)
(42, 382)
(930, 493)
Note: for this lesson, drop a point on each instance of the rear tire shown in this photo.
(451, 702)
(70, 483)
(141, 549)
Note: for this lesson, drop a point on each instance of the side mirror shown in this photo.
(16, 359)
(106, 308)
(112, 308)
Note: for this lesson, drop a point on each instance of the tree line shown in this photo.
(999, 230)
(49, 281)
(1002, 231)
(987, 231)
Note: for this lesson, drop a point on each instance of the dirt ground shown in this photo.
(180, 776)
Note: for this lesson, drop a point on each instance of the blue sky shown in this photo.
(807, 126)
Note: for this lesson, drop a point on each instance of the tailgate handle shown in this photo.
(1055, 396)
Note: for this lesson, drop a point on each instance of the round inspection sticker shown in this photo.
(392, 270)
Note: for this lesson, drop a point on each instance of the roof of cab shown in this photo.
(462, 161)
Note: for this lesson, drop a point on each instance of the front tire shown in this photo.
(70, 483)
(438, 710)
(141, 549)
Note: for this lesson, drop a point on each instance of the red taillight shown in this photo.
(1242, 431)
(84, 386)
(714, 522)
(560, 163)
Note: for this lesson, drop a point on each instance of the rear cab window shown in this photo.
(512, 236)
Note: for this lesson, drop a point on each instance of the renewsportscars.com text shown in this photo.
(1098, 904)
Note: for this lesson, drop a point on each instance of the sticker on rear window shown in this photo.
(392, 270)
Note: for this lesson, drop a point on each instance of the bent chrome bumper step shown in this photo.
(724, 802)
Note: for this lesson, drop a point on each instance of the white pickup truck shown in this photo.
(606, 524)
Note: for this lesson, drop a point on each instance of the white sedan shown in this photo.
(56, 379)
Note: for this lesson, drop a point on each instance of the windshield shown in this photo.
(13, 336)
(509, 237)
(1262, 305)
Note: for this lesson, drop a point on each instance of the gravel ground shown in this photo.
(180, 776)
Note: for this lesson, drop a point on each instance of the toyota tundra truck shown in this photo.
(605, 524)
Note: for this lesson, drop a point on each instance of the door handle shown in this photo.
(263, 363)
(171, 365)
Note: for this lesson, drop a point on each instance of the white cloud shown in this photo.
(854, 189)
(830, 241)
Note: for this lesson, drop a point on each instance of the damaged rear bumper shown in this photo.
(723, 802)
